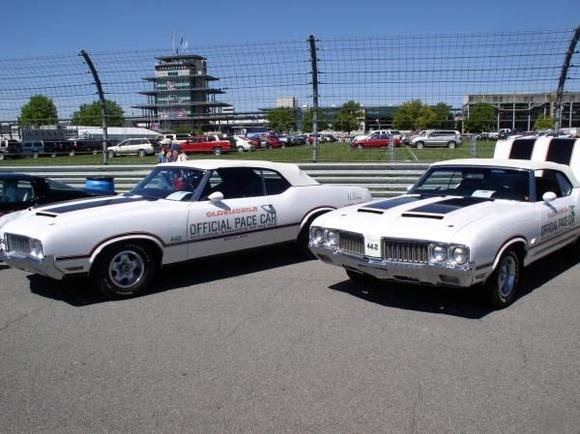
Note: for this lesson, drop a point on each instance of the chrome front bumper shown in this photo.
(399, 271)
(46, 267)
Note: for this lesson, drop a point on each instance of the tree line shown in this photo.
(411, 115)
(41, 110)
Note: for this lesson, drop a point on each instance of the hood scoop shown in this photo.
(370, 211)
(423, 215)
(46, 214)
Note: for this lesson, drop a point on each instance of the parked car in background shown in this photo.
(207, 143)
(180, 211)
(135, 146)
(271, 141)
(375, 140)
(243, 144)
(173, 139)
(32, 147)
(9, 147)
(437, 138)
(19, 191)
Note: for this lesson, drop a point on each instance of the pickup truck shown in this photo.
(208, 143)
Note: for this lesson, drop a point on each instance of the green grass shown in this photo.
(328, 152)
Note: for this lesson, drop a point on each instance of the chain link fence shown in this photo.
(474, 84)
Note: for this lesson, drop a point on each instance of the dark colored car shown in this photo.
(20, 191)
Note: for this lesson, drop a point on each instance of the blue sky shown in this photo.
(41, 27)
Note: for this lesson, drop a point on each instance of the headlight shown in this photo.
(331, 239)
(440, 253)
(36, 249)
(316, 236)
(460, 255)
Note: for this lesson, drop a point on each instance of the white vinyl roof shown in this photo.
(291, 172)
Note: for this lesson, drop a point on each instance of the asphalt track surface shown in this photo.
(262, 342)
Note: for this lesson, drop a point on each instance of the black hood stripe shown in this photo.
(448, 205)
(391, 203)
(93, 204)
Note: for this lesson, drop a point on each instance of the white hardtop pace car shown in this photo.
(465, 222)
(180, 211)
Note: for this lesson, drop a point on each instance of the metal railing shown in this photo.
(382, 179)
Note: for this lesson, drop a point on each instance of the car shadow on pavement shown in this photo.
(78, 291)
(467, 303)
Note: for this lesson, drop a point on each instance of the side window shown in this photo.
(546, 181)
(19, 191)
(238, 182)
(564, 183)
(274, 182)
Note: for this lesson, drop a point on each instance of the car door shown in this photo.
(558, 216)
(246, 217)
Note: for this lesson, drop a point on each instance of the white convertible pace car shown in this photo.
(180, 211)
(472, 222)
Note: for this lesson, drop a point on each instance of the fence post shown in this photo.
(562, 81)
(313, 59)
(101, 94)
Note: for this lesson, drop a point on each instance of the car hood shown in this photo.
(415, 217)
(36, 222)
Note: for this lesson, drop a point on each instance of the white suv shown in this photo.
(137, 146)
(437, 138)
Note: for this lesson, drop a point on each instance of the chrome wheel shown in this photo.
(506, 276)
(126, 269)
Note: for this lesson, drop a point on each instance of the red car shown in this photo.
(206, 144)
(375, 141)
(271, 141)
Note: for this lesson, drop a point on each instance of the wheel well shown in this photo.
(149, 244)
(518, 245)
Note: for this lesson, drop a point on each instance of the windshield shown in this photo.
(486, 182)
(174, 183)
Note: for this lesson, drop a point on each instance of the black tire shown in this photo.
(359, 146)
(141, 153)
(111, 154)
(502, 286)
(240, 149)
(451, 144)
(419, 145)
(359, 277)
(124, 270)
(217, 151)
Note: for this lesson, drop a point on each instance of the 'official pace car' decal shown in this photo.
(234, 220)
(559, 220)
(445, 206)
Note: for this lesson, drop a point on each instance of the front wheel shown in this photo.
(124, 270)
(111, 154)
(419, 145)
(502, 285)
(451, 144)
(217, 151)
(141, 153)
(240, 149)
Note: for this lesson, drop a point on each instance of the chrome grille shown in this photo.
(405, 251)
(351, 243)
(17, 244)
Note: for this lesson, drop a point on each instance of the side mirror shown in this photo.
(549, 196)
(218, 196)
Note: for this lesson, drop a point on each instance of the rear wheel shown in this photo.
(141, 153)
(124, 270)
(502, 285)
(240, 149)
(217, 151)
(359, 146)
